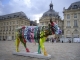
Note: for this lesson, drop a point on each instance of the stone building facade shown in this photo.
(72, 21)
(9, 22)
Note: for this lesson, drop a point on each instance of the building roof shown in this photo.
(74, 5)
(13, 15)
(51, 12)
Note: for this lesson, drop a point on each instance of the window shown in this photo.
(45, 14)
(8, 17)
(12, 37)
(42, 23)
(50, 14)
(0, 37)
(1, 28)
(46, 22)
(68, 23)
(3, 37)
(10, 23)
(68, 32)
(4, 23)
(75, 23)
(16, 26)
(3, 18)
(4, 28)
(22, 22)
(7, 28)
(75, 6)
(6, 32)
(13, 28)
(9, 32)
(17, 16)
(7, 23)
(68, 16)
(6, 37)
(13, 22)
(10, 28)
(75, 15)
(14, 16)
(17, 22)
(25, 23)
(12, 32)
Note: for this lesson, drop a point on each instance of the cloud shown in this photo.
(37, 17)
(33, 9)
(1, 8)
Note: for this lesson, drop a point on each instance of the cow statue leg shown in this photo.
(42, 40)
(42, 46)
(23, 40)
(39, 48)
(17, 44)
(24, 43)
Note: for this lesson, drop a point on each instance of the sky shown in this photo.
(33, 9)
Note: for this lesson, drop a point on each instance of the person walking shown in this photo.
(52, 40)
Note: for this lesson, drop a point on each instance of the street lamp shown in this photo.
(72, 37)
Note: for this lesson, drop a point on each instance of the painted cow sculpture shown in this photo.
(35, 34)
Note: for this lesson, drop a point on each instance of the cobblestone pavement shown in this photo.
(58, 51)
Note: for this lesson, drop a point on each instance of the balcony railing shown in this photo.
(75, 26)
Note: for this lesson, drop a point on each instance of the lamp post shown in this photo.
(72, 37)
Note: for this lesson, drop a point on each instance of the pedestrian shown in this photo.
(52, 40)
(62, 41)
(55, 39)
(69, 41)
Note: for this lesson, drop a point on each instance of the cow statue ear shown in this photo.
(60, 31)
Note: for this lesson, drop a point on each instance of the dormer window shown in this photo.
(58, 17)
(14, 16)
(45, 14)
(3, 18)
(50, 14)
(17, 16)
(8, 17)
(75, 6)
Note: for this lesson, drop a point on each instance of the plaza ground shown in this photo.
(58, 51)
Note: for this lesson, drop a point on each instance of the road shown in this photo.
(58, 51)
